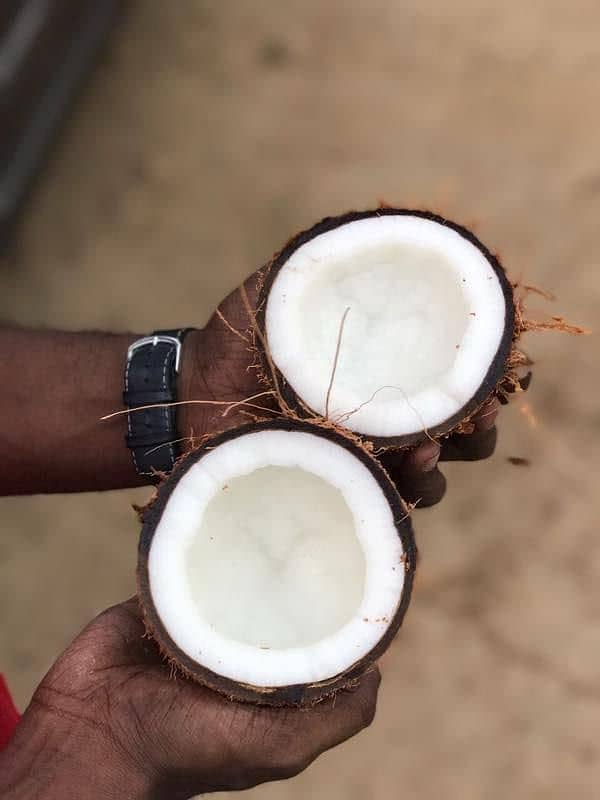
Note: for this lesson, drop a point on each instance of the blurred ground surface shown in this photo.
(211, 133)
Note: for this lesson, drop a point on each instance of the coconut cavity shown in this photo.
(276, 562)
(427, 322)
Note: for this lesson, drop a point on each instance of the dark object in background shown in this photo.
(47, 48)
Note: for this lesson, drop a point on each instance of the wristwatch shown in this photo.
(150, 385)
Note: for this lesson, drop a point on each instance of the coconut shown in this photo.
(276, 562)
(395, 324)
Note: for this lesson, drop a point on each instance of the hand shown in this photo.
(218, 366)
(111, 715)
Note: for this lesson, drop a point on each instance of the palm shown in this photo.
(184, 735)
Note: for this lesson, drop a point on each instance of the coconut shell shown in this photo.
(298, 694)
(498, 369)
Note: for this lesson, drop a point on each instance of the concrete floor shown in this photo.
(211, 133)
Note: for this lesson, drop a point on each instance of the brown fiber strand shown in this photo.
(239, 403)
(335, 360)
(346, 415)
(524, 289)
(530, 289)
(286, 410)
(466, 426)
(228, 403)
(228, 325)
(555, 324)
(410, 507)
(173, 441)
(262, 338)
(518, 358)
(510, 383)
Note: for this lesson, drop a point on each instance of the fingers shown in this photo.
(470, 447)
(416, 474)
(350, 711)
(198, 739)
(423, 458)
(425, 490)
(253, 744)
(296, 737)
(479, 444)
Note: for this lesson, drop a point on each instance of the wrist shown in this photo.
(193, 419)
(57, 752)
(218, 370)
(211, 377)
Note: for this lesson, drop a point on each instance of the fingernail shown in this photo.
(425, 457)
(431, 463)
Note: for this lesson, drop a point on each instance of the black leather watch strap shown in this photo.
(151, 379)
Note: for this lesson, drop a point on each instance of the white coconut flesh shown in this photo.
(276, 560)
(426, 316)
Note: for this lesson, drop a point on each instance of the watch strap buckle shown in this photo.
(154, 340)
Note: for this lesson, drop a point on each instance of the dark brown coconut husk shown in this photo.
(501, 378)
(298, 694)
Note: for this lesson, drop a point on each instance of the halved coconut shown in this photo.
(395, 324)
(276, 563)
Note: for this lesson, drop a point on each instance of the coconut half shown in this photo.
(276, 563)
(395, 324)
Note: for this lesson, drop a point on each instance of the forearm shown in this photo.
(55, 388)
